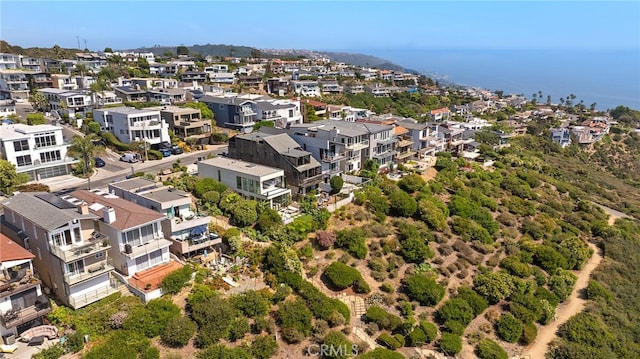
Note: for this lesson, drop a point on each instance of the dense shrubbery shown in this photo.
(508, 328)
(295, 319)
(391, 341)
(384, 320)
(353, 241)
(423, 289)
(179, 331)
(488, 349)
(450, 344)
(176, 280)
(341, 276)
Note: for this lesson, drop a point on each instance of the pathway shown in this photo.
(572, 306)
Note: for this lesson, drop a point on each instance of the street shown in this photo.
(114, 169)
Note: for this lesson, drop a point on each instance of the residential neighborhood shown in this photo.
(189, 169)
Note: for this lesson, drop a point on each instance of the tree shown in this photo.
(269, 220)
(415, 249)
(336, 183)
(35, 119)
(325, 239)
(214, 316)
(450, 344)
(179, 331)
(341, 276)
(108, 49)
(255, 53)
(85, 150)
(205, 111)
(488, 349)
(423, 289)
(493, 286)
(182, 50)
(251, 303)
(456, 309)
(402, 203)
(338, 344)
(509, 328)
(263, 347)
(10, 178)
(295, 319)
(412, 183)
(39, 101)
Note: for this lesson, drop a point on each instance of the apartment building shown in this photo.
(187, 123)
(68, 101)
(187, 229)
(71, 253)
(39, 151)
(251, 180)
(137, 243)
(129, 124)
(22, 304)
(303, 173)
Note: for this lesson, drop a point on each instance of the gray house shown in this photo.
(303, 173)
(232, 112)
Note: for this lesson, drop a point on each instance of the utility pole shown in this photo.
(78, 37)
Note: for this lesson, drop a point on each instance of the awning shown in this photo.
(196, 231)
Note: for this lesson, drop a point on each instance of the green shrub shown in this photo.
(454, 327)
(456, 309)
(381, 353)
(295, 315)
(238, 329)
(154, 155)
(488, 349)
(137, 347)
(387, 288)
(513, 265)
(176, 280)
(402, 204)
(417, 337)
(111, 140)
(389, 341)
(263, 347)
(423, 289)
(152, 319)
(475, 300)
(221, 351)
(252, 304)
(508, 328)
(450, 344)
(337, 341)
(179, 331)
(383, 319)
(341, 276)
(430, 330)
(353, 241)
(529, 333)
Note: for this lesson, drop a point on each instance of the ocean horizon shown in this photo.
(607, 77)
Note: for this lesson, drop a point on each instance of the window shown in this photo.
(45, 140)
(238, 182)
(23, 160)
(99, 255)
(76, 234)
(21, 145)
(50, 156)
(76, 267)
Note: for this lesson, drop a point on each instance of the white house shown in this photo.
(68, 101)
(251, 180)
(129, 124)
(306, 88)
(39, 151)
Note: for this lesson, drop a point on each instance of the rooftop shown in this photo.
(127, 110)
(128, 214)
(10, 250)
(133, 184)
(18, 130)
(49, 215)
(241, 166)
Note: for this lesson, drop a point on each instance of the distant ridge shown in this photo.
(204, 50)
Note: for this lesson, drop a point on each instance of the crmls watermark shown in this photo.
(327, 350)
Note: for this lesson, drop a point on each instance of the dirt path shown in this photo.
(572, 306)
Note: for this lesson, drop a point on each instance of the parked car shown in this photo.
(129, 157)
(99, 162)
(176, 150)
(164, 146)
(166, 152)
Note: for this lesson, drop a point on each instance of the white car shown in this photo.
(18, 100)
(129, 157)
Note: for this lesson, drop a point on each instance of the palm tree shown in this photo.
(84, 149)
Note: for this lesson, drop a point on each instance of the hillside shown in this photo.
(55, 52)
(204, 50)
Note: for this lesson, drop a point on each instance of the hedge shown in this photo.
(382, 318)
(488, 349)
(390, 341)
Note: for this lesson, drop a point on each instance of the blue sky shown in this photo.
(327, 25)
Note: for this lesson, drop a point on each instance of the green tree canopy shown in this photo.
(10, 178)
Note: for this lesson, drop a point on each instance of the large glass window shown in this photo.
(21, 145)
(23, 160)
(62, 238)
(76, 267)
(50, 156)
(45, 140)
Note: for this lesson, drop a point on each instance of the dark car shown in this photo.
(99, 162)
(176, 150)
(164, 146)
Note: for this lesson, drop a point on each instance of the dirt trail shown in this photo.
(572, 306)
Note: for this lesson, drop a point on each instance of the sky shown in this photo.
(324, 25)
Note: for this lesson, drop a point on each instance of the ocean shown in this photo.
(608, 78)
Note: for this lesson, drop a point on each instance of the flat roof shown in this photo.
(19, 130)
(133, 184)
(127, 110)
(165, 194)
(241, 166)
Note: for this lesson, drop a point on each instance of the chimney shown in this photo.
(108, 215)
(83, 208)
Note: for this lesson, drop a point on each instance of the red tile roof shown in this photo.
(11, 251)
(150, 279)
(128, 214)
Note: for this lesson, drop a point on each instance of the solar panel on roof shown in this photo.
(56, 201)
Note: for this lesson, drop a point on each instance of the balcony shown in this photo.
(187, 222)
(405, 143)
(13, 318)
(18, 284)
(89, 272)
(92, 296)
(193, 244)
(331, 171)
(404, 155)
(389, 140)
(148, 247)
(97, 243)
(332, 157)
(310, 180)
(357, 145)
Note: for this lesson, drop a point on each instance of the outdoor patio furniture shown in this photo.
(37, 340)
(48, 331)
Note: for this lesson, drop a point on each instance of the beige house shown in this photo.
(71, 253)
